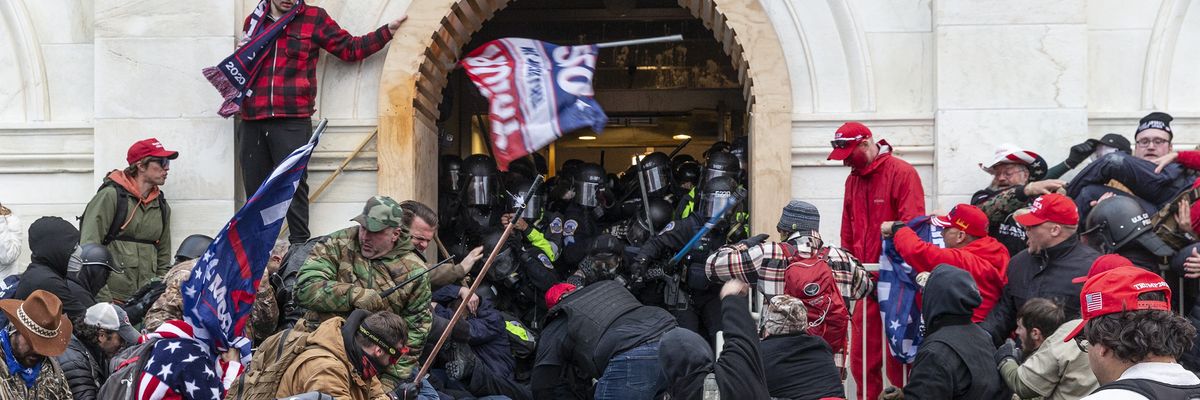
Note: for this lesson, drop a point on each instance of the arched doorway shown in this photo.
(411, 88)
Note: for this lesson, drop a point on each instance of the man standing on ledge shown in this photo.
(276, 114)
(881, 187)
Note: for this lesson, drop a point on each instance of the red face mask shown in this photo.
(857, 159)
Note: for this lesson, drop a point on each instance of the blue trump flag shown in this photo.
(219, 294)
(897, 290)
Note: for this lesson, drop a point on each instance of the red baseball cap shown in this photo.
(148, 148)
(846, 137)
(556, 293)
(1104, 263)
(1051, 207)
(966, 218)
(1116, 291)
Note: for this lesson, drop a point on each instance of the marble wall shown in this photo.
(944, 81)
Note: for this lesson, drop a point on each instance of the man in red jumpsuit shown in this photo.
(881, 187)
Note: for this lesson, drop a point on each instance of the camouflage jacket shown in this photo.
(999, 205)
(169, 305)
(336, 274)
(51, 383)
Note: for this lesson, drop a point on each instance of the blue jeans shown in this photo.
(633, 374)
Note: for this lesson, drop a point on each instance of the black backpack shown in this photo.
(127, 367)
(123, 197)
(284, 282)
(1155, 390)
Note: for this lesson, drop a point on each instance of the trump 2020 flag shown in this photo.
(536, 91)
(897, 291)
(219, 294)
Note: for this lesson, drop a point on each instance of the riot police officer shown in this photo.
(580, 219)
(686, 290)
(481, 205)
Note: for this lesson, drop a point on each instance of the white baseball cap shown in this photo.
(111, 317)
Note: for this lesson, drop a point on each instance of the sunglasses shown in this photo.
(163, 161)
(844, 143)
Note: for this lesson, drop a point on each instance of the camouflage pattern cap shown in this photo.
(380, 213)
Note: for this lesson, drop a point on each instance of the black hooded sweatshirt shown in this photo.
(86, 283)
(687, 359)
(955, 361)
(51, 242)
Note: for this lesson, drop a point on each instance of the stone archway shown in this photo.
(427, 46)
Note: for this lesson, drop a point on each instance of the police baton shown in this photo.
(462, 306)
(393, 289)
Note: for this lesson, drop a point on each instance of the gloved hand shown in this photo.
(891, 393)
(406, 391)
(755, 240)
(1006, 351)
(142, 300)
(370, 300)
(1080, 152)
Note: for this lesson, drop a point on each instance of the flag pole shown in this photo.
(462, 306)
(635, 42)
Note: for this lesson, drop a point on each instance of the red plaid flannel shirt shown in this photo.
(766, 263)
(287, 84)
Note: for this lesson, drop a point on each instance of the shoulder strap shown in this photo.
(1154, 390)
(122, 212)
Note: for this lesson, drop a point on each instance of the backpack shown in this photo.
(810, 279)
(284, 281)
(127, 367)
(1155, 390)
(122, 213)
(274, 356)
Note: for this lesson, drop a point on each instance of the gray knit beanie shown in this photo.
(799, 216)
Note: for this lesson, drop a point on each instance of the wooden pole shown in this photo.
(462, 306)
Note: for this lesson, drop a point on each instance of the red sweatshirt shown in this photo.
(986, 259)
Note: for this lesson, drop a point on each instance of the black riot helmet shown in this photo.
(741, 150)
(660, 215)
(717, 193)
(192, 248)
(718, 147)
(656, 172)
(589, 178)
(504, 267)
(97, 254)
(450, 173)
(680, 159)
(688, 172)
(1118, 221)
(518, 187)
(481, 180)
(721, 163)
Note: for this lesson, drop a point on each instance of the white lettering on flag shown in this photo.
(275, 212)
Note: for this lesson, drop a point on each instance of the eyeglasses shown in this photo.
(844, 143)
(1009, 171)
(163, 161)
(1082, 343)
(1146, 142)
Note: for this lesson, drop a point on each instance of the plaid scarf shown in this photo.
(233, 75)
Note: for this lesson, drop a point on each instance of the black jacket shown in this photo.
(955, 361)
(1048, 275)
(86, 283)
(51, 242)
(800, 367)
(85, 369)
(687, 359)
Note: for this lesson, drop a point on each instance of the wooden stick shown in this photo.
(361, 145)
(462, 306)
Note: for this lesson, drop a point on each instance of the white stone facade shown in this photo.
(945, 81)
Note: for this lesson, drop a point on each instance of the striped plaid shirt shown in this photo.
(766, 263)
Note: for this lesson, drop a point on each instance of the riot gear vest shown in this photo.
(589, 312)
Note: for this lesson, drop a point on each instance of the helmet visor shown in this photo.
(714, 202)
(585, 193)
(656, 179)
(479, 191)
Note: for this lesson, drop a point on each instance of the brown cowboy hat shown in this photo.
(40, 320)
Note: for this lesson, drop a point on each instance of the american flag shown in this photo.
(1093, 301)
(181, 367)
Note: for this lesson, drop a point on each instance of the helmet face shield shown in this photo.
(585, 193)
(533, 206)
(710, 173)
(656, 179)
(455, 179)
(714, 202)
(480, 190)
